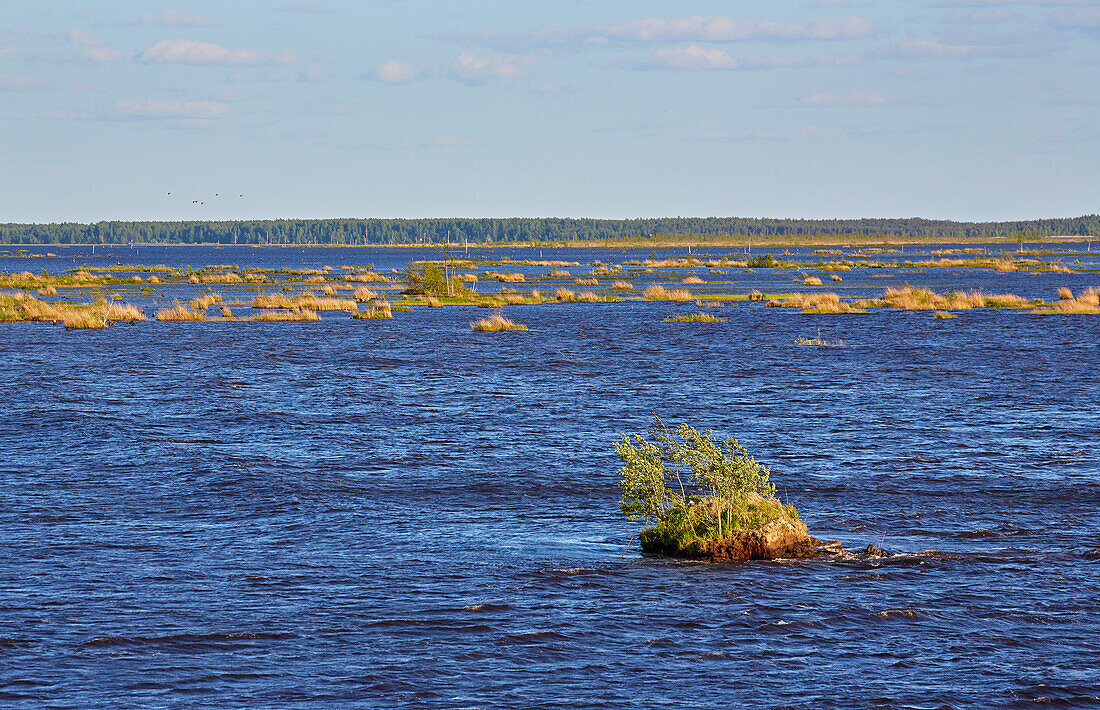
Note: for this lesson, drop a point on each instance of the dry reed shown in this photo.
(495, 323)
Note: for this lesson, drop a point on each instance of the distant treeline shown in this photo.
(548, 230)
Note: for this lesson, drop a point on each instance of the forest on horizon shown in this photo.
(535, 230)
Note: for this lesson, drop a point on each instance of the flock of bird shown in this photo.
(203, 202)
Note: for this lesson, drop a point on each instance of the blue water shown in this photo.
(406, 513)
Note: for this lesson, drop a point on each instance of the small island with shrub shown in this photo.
(707, 500)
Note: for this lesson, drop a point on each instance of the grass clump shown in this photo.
(586, 282)
(377, 310)
(695, 318)
(179, 312)
(621, 286)
(292, 314)
(495, 323)
(692, 489)
(943, 315)
(811, 281)
(923, 299)
(660, 293)
(203, 302)
(307, 301)
(1087, 302)
(814, 303)
(693, 280)
(366, 277)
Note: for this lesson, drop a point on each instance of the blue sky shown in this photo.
(976, 109)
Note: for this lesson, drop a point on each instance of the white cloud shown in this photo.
(856, 99)
(693, 57)
(94, 49)
(931, 49)
(187, 51)
(169, 109)
(475, 68)
(395, 72)
(174, 19)
(80, 38)
(700, 58)
(727, 29)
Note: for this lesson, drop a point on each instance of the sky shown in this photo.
(138, 109)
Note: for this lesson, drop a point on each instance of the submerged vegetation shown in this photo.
(703, 498)
(695, 318)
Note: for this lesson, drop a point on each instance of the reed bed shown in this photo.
(377, 310)
(307, 301)
(179, 312)
(695, 318)
(586, 282)
(814, 303)
(292, 314)
(366, 277)
(564, 295)
(587, 297)
(510, 278)
(203, 302)
(811, 281)
(693, 280)
(921, 299)
(468, 278)
(227, 277)
(364, 295)
(1087, 302)
(660, 293)
(621, 286)
(495, 323)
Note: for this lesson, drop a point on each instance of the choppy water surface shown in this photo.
(406, 513)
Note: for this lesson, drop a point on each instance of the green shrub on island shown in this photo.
(704, 498)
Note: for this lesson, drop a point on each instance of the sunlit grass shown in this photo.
(695, 318)
(496, 322)
(293, 314)
(179, 312)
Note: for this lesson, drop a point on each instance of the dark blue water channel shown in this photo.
(406, 513)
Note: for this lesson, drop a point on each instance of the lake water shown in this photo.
(406, 513)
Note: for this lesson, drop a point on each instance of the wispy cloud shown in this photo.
(694, 57)
(931, 49)
(1079, 19)
(22, 83)
(169, 109)
(170, 18)
(728, 29)
(829, 100)
(92, 48)
(717, 28)
(800, 133)
(187, 51)
(393, 71)
(475, 68)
